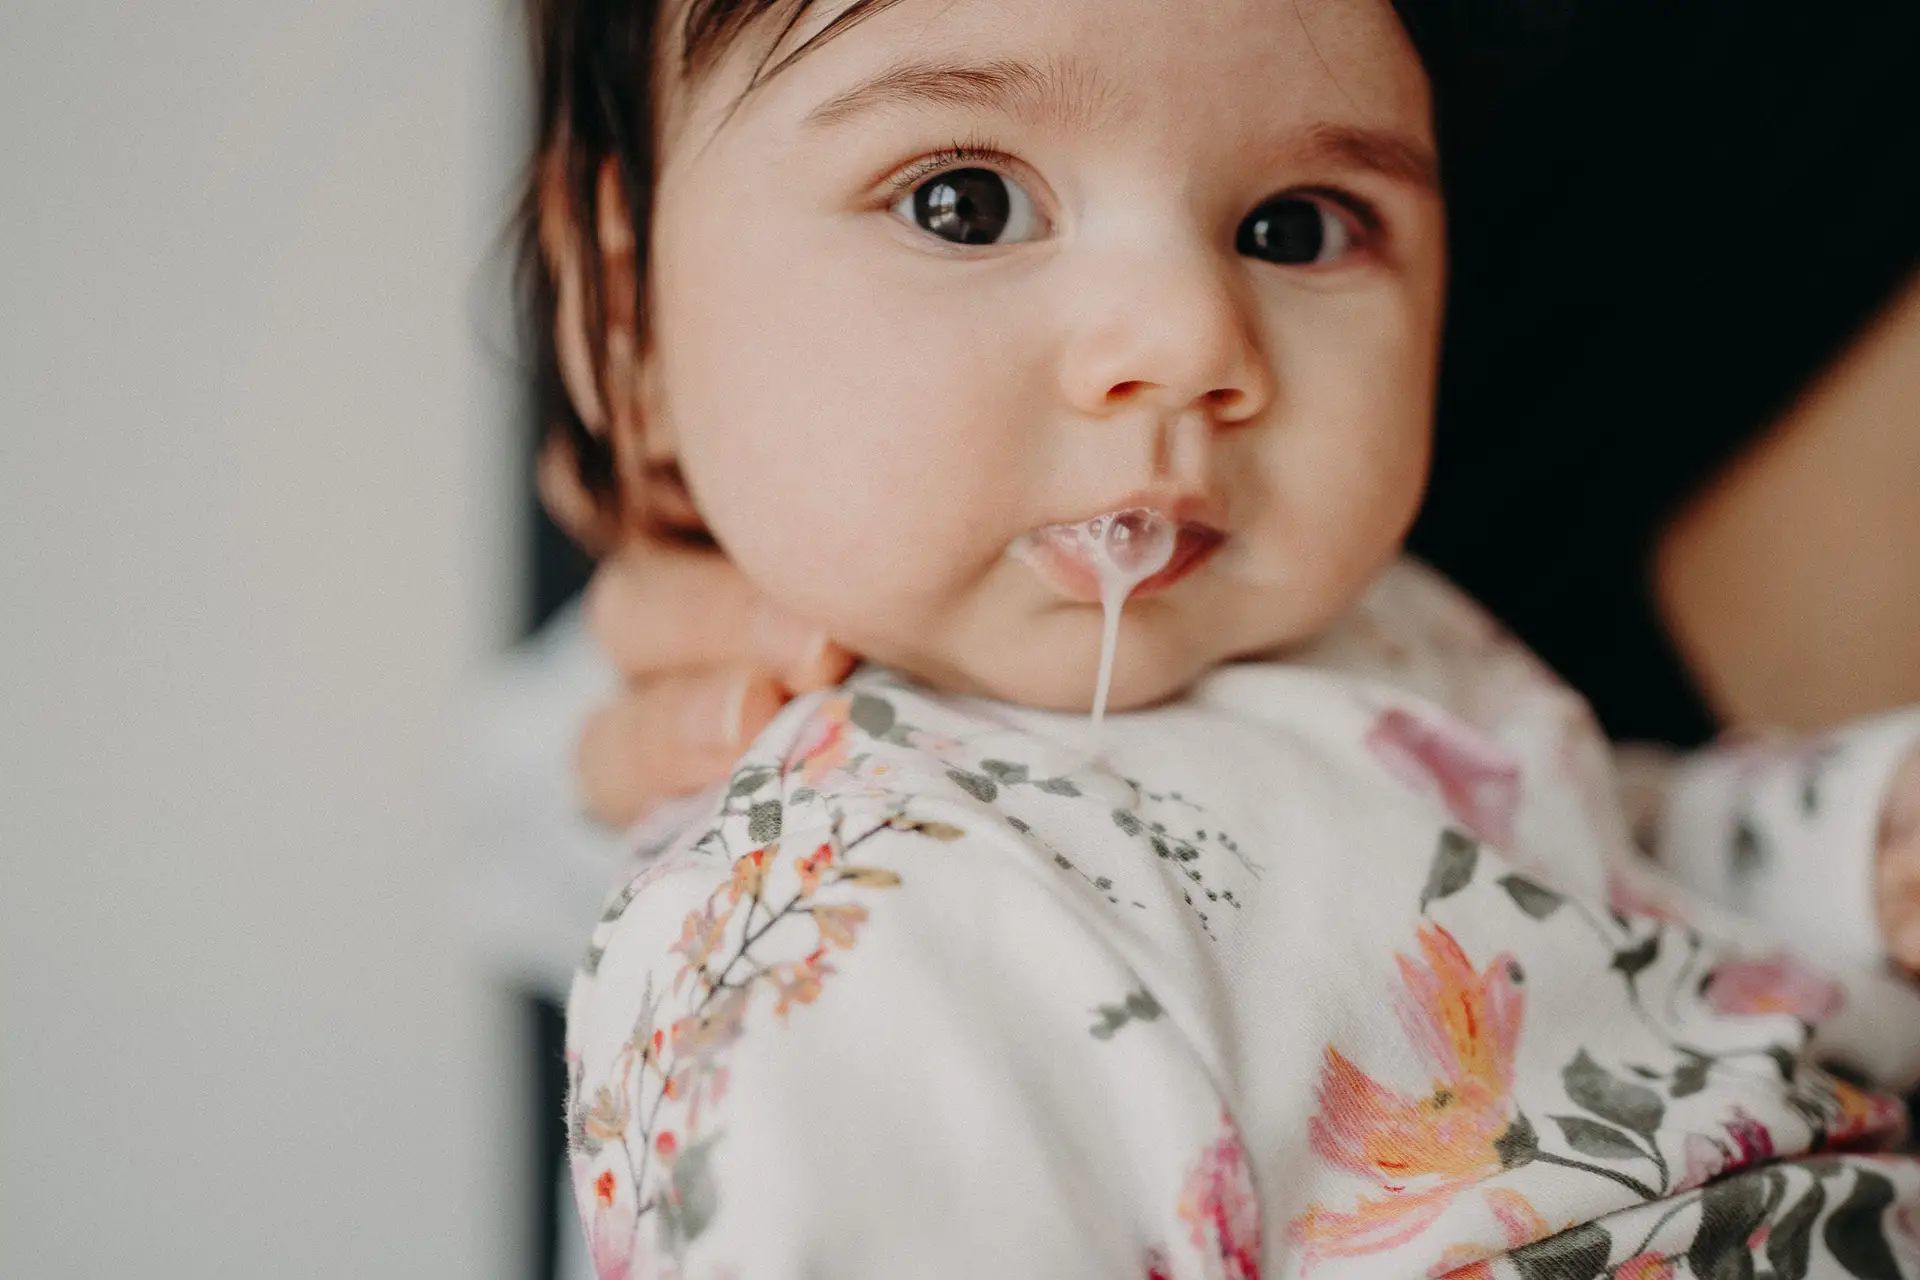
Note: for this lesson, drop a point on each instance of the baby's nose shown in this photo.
(1182, 340)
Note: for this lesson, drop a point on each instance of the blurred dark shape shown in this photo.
(1667, 219)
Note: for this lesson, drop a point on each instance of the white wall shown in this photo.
(253, 537)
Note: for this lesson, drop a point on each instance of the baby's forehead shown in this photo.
(1250, 68)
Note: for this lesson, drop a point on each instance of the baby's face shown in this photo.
(976, 267)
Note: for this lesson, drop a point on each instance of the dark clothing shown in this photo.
(1667, 219)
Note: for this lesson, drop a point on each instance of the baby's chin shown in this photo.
(1051, 671)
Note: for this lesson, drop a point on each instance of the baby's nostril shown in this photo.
(1124, 390)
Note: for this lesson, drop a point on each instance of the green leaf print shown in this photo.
(872, 715)
(1856, 1234)
(1633, 1107)
(1791, 1242)
(1004, 772)
(1536, 900)
(1578, 1253)
(750, 780)
(686, 1215)
(979, 786)
(1139, 1006)
(1058, 787)
(1690, 1077)
(1452, 869)
(1128, 822)
(1635, 959)
(1749, 852)
(1591, 1138)
(763, 822)
(1518, 1145)
(1730, 1211)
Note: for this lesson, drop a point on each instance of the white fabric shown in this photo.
(1341, 963)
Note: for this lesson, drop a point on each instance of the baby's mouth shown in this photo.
(1061, 557)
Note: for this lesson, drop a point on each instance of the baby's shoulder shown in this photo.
(968, 791)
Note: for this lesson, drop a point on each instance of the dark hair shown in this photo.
(595, 63)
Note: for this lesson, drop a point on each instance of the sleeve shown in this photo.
(891, 1047)
(1785, 833)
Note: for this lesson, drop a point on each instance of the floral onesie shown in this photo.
(1342, 965)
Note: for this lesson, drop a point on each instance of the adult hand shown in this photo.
(706, 662)
(1899, 866)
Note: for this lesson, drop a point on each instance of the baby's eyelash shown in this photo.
(976, 152)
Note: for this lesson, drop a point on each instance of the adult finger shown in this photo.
(1899, 893)
(670, 737)
(654, 607)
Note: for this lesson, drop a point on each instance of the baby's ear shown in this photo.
(605, 360)
(641, 429)
(560, 229)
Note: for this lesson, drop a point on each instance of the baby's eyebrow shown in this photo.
(1394, 155)
(1058, 92)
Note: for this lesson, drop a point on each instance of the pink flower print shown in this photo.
(608, 1225)
(1777, 984)
(610, 1242)
(1220, 1208)
(1645, 1266)
(1708, 1157)
(825, 742)
(1907, 1223)
(1479, 783)
(1627, 898)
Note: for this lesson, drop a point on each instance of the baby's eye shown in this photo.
(1296, 230)
(971, 206)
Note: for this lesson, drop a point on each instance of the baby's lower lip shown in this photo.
(1068, 571)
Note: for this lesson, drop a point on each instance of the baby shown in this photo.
(1333, 955)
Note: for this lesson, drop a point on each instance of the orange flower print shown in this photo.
(1420, 1151)
(839, 924)
(798, 983)
(824, 744)
(1520, 1223)
(699, 1037)
(750, 873)
(606, 1120)
(700, 935)
(1865, 1120)
(603, 1187)
(812, 867)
